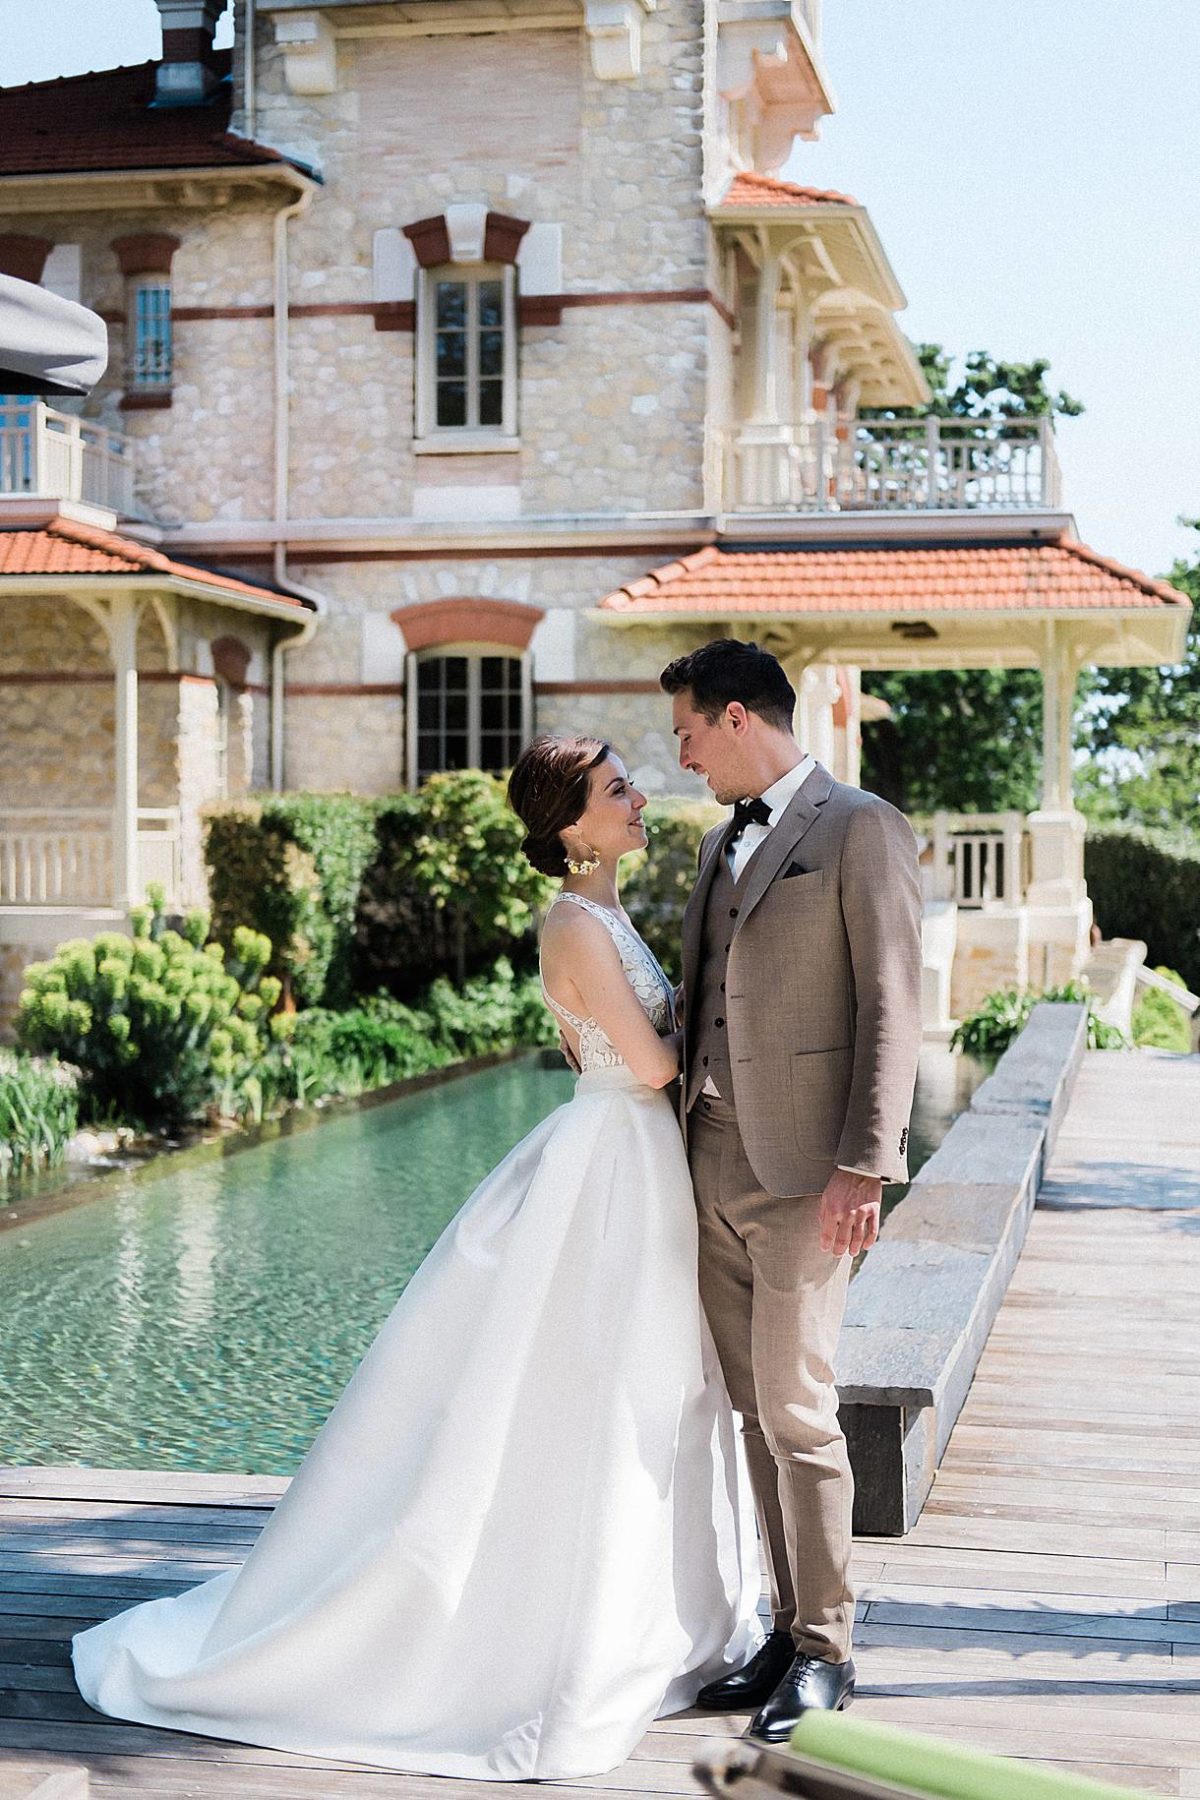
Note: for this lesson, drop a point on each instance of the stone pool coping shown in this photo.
(77, 1185)
(921, 1307)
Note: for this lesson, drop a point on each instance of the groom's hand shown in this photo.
(850, 1212)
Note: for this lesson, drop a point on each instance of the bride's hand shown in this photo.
(569, 1055)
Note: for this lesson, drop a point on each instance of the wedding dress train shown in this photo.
(522, 1533)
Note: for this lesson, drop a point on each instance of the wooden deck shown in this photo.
(1046, 1605)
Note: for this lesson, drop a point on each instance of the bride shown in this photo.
(521, 1534)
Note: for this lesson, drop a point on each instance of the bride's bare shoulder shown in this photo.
(573, 930)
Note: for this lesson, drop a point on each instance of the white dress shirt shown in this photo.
(778, 797)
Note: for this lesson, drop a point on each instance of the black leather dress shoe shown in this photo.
(808, 1683)
(756, 1682)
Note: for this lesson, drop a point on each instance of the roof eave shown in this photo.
(841, 211)
(150, 580)
(91, 189)
(1162, 626)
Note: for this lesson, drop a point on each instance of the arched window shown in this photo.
(468, 683)
(469, 711)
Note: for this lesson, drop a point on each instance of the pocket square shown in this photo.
(796, 869)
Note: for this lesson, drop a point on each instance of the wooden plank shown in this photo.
(26, 1780)
(132, 1587)
(1033, 1621)
(147, 1517)
(126, 1534)
(142, 1485)
(123, 1566)
(1061, 1536)
(1161, 1721)
(1034, 1500)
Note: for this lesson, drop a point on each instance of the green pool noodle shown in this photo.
(932, 1766)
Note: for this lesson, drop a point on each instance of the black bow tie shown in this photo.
(751, 812)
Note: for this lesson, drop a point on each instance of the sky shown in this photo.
(1033, 169)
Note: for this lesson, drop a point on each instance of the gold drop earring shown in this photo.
(588, 866)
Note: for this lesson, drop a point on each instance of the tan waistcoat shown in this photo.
(708, 1048)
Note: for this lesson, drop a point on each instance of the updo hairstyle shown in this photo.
(548, 790)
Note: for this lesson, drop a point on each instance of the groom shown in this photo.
(802, 972)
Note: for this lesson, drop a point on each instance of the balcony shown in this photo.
(890, 466)
(65, 856)
(60, 456)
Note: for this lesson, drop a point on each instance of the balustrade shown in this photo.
(980, 859)
(63, 856)
(892, 465)
(63, 456)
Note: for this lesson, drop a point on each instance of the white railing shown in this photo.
(62, 456)
(892, 466)
(980, 859)
(63, 856)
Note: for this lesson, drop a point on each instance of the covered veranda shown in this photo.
(1006, 898)
(134, 690)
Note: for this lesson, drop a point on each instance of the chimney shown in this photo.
(187, 74)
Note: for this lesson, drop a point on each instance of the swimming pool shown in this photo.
(207, 1313)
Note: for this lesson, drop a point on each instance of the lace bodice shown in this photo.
(646, 978)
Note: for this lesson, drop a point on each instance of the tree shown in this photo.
(967, 740)
(990, 390)
(1144, 732)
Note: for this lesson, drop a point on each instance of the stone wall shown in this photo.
(611, 401)
(339, 736)
(57, 726)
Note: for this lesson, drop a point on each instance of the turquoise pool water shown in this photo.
(208, 1316)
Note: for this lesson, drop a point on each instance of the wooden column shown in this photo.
(766, 369)
(1058, 709)
(122, 636)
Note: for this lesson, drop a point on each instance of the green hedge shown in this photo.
(1158, 1023)
(1146, 884)
(291, 867)
(447, 889)
(360, 894)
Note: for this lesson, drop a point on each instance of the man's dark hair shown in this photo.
(728, 670)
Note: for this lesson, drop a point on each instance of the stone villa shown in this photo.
(469, 359)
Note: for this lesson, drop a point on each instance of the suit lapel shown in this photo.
(803, 811)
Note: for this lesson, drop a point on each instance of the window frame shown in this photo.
(428, 433)
(136, 286)
(475, 651)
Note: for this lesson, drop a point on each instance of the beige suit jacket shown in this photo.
(823, 987)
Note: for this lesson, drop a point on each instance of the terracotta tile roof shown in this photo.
(104, 120)
(749, 189)
(1064, 575)
(66, 547)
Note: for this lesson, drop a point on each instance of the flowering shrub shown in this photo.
(163, 1026)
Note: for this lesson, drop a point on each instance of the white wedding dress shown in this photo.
(522, 1533)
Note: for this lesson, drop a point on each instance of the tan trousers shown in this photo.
(774, 1301)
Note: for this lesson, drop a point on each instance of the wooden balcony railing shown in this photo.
(891, 466)
(64, 457)
(64, 856)
(979, 859)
